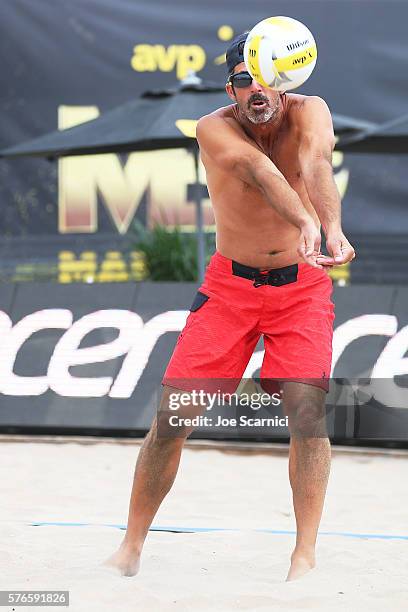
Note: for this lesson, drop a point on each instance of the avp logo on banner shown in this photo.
(184, 59)
(136, 341)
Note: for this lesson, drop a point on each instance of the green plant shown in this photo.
(170, 255)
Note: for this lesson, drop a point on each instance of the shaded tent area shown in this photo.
(164, 119)
(159, 119)
(389, 138)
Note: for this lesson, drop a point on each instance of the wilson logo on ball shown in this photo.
(280, 53)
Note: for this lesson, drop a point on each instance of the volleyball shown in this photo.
(280, 53)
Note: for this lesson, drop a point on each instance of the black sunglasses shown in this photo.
(240, 79)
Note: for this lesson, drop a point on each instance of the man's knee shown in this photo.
(176, 416)
(159, 439)
(305, 408)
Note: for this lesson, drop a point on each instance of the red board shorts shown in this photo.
(231, 312)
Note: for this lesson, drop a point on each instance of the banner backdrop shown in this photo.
(67, 62)
(90, 358)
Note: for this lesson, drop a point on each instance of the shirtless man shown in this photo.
(269, 174)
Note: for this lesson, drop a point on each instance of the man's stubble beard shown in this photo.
(268, 114)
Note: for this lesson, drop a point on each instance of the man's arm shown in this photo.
(316, 144)
(237, 156)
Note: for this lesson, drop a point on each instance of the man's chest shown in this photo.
(285, 155)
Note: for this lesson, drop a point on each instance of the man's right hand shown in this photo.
(309, 244)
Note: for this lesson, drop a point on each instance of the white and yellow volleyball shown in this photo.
(280, 53)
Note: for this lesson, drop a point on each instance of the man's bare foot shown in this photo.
(126, 560)
(301, 563)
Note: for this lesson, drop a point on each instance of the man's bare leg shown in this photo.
(309, 468)
(155, 472)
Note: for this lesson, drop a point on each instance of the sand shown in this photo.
(241, 569)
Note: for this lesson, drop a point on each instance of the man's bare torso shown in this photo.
(248, 228)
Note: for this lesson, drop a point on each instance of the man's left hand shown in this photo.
(339, 248)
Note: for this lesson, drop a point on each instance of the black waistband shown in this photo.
(275, 276)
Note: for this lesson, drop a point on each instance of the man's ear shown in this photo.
(230, 92)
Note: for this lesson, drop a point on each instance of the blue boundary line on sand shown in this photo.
(174, 529)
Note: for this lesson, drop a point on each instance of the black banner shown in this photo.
(90, 358)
